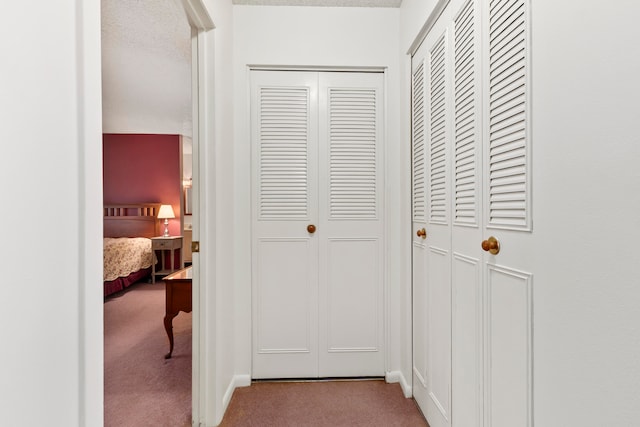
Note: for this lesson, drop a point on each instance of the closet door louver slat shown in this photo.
(437, 134)
(283, 139)
(508, 140)
(465, 121)
(352, 153)
(418, 153)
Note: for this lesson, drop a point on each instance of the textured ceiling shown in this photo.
(326, 3)
(146, 67)
(146, 61)
(157, 27)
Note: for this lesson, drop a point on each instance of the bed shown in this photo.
(127, 250)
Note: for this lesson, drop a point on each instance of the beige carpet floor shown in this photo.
(141, 387)
(322, 404)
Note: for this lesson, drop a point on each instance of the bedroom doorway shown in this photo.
(199, 22)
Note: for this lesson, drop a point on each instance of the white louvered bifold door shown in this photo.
(466, 262)
(284, 193)
(318, 300)
(431, 165)
(419, 223)
(472, 319)
(508, 281)
(351, 224)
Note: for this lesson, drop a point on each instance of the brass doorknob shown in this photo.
(422, 233)
(491, 245)
(311, 228)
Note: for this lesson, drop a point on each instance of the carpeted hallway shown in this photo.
(143, 389)
(322, 404)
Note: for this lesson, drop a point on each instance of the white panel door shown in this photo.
(508, 275)
(351, 227)
(486, 194)
(419, 224)
(318, 298)
(285, 255)
(466, 278)
(432, 225)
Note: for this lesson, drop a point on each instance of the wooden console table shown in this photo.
(178, 298)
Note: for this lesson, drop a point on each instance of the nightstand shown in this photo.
(170, 244)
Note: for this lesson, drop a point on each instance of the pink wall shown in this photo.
(143, 169)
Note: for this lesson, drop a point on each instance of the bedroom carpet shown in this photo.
(322, 404)
(141, 388)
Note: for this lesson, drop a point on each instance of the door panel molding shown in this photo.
(439, 336)
(509, 347)
(419, 314)
(344, 272)
(294, 319)
(466, 345)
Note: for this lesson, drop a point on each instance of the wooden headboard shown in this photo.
(132, 220)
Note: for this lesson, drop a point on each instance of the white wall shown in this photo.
(312, 36)
(413, 15)
(586, 151)
(50, 169)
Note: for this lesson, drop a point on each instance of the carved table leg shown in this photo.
(168, 326)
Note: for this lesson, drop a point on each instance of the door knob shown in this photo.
(311, 228)
(422, 233)
(491, 245)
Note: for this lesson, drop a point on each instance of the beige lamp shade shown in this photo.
(166, 211)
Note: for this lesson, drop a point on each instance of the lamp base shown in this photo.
(166, 228)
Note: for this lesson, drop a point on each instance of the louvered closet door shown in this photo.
(317, 159)
(432, 152)
(284, 255)
(351, 226)
(508, 326)
(486, 193)
(466, 205)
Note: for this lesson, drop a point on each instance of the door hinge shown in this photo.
(195, 246)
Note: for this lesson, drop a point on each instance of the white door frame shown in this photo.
(200, 23)
(390, 376)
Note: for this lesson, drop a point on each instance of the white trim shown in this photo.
(397, 377)
(236, 381)
(317, 68)
(197, 336)
(386, 311)
(433, 18)
(89, 134)
(198, 15)
(200, 22)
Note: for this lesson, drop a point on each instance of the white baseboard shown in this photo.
(397, 377)
(236, 381)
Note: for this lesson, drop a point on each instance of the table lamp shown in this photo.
(166, 212)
